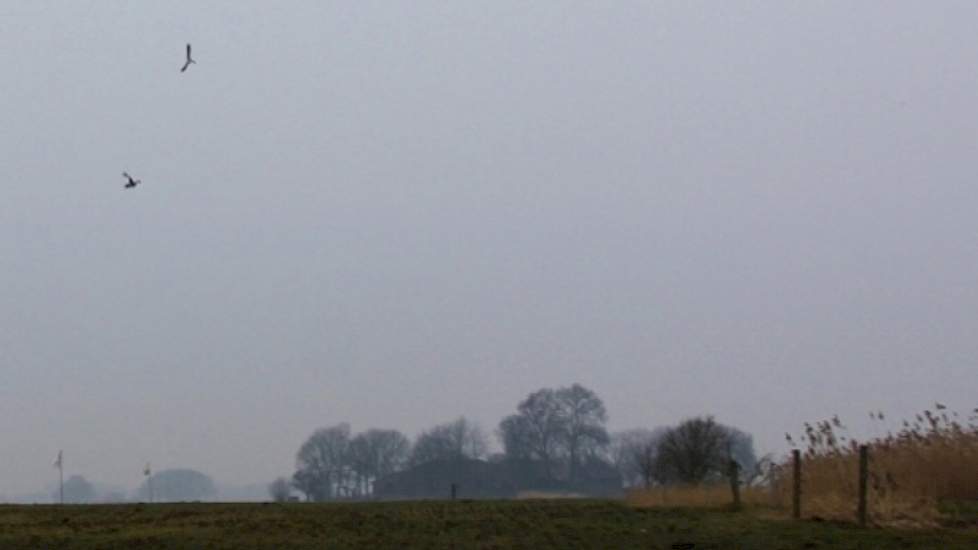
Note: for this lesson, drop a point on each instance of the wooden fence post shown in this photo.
(863, 482)
(735, 483)
(796, 485)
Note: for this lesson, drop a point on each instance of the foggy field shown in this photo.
(678, 271)
(439, 524)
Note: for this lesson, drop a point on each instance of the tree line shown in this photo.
(561, 431)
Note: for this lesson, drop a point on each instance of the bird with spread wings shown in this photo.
(189, 60)
(132, 182)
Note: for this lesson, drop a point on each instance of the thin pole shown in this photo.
(863, 479)
(61, 478)
(735, 483)
(796, 486)
(148, 472)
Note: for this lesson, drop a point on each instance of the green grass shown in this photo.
(959, 513)
(477, 524)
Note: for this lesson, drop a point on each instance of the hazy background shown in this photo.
(395, 213)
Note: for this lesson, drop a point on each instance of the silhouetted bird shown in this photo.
(131, 183)
(189, 60)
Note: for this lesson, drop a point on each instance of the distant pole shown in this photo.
(148, 472)
(863, 482)
(735, 483)
(454, 490)
(796, 485)
(59, 464)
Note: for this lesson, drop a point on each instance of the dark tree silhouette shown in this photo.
(585, 435)
(692, 452)
(280, 490)
(633, 453)
(455, 440)
(560, 428)
(322, 463)
(374, 454)
(537, 430)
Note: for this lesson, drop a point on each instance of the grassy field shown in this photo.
(479, 524)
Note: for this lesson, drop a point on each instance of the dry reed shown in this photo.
(716, 495)
(930, 459)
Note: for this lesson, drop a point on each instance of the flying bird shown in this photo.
(189, 60)
(131, 183)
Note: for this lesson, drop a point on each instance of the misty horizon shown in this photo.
(394, 215)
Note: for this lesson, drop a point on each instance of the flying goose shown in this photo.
(189, 60)
(131, 183)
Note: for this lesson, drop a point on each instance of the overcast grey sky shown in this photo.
(393, 213)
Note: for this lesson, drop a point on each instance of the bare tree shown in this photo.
(390, 449)
(362, 464)
(374, 454)
(537, 430)
(633, 454)
(585, 435)
(455, 440)
(644, 456)
(562, 427)
(280, 489)
(692, 452)
(514, 433)
(322, 463)
(740, 447)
